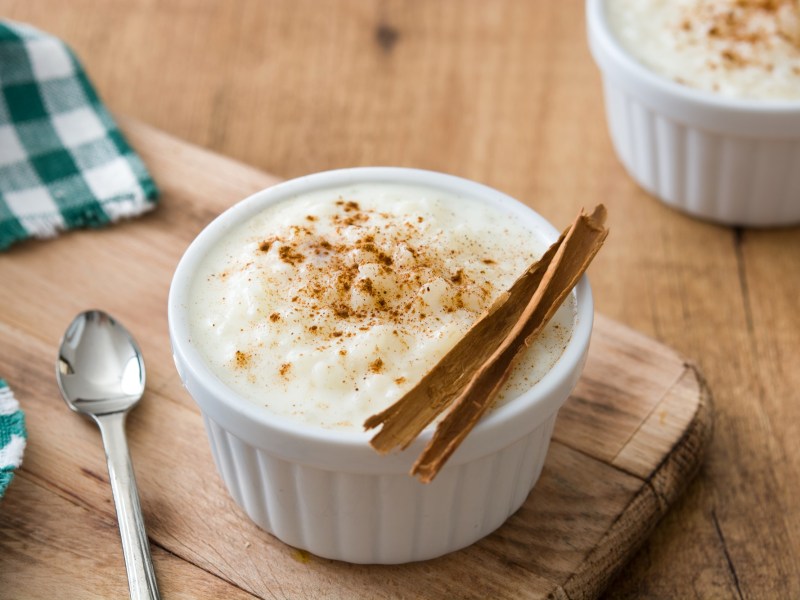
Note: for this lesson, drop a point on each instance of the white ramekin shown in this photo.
(728, 160)
(329, 492)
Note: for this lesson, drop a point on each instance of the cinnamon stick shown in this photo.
(582, 242)
(473, 372)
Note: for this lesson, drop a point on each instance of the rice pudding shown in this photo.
(736, 48)
(327, 307)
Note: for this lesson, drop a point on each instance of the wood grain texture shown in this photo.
(62, 550)
(581, 524)
(503, 92)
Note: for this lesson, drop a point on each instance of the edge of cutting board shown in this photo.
(662, 488)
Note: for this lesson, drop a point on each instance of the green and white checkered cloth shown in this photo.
(63, 161)
(12, 436)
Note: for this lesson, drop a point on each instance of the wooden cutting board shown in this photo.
(625, 445)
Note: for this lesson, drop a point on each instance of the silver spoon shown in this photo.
(100, 372)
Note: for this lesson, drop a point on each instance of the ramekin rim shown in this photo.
(564, 368)
(599, 26)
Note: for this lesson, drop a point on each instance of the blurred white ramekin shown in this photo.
(328, 491)
(728, 160)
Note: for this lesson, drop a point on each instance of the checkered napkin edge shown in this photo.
(12, 436)
(63, 161)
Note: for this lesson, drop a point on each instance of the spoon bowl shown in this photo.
(100, 366)
(100, 372)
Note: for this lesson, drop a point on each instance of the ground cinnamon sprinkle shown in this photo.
(738, 48)
(341, 310)
(738, 28)
(290, 255)
(353, 303)
(335, 268)
(365, 285)
(242, 359)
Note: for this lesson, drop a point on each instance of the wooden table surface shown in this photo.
(503, 92)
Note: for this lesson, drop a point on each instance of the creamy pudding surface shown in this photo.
(327, 307)
(736, 48)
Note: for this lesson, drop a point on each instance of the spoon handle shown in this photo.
(135, 547)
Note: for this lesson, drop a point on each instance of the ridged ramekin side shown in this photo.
(371, 518)
(730, 179)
